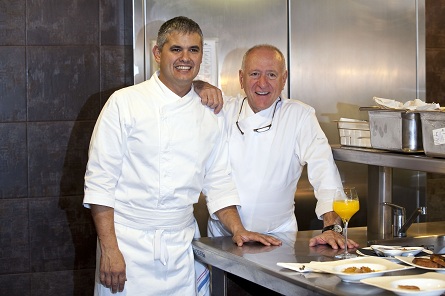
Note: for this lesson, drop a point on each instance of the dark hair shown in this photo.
(179, 24)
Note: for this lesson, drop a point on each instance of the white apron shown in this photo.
(159, 260)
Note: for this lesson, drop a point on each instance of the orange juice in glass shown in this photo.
(346, 208)
(346, 204)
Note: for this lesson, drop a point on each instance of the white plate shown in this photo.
(392, 251)
(374, 254)
(380, 266)
(409, 260)
(430, 284)
(300, 267)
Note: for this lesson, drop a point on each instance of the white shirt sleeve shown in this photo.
(315, 151)
(105, 156)
(219, 188)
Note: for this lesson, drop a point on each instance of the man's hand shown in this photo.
(112, 264)
(112, 270)
(229, 216)
(211, 96)
(332, 238)
(245, 236)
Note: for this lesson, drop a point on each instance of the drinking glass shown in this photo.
(346, 204)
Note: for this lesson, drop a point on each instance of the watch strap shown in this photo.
(334, 227)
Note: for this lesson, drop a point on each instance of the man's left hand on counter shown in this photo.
(244, 236)
(332, 238)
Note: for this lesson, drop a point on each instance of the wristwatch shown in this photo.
(333, 227)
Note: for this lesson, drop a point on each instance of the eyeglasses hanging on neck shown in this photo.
(260, 129)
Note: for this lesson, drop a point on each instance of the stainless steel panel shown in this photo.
(343, 53)
(139, 49)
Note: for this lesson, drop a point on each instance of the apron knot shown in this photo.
(160, 249)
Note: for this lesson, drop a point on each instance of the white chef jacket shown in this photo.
(267, 166)
(151, 154)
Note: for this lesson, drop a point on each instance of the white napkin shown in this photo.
(410, 105)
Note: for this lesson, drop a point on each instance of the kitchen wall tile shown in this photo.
(63, 283)
(13, 160)
(12, 22)
(58, 153)
(63, 83)
(435, 73)
(14, 245)
(12, 83)
(62, 235)
(112, 21)
(128, 24)
(16, 285)
(117, 64)
(67, 22)
(434, 24)
(116, 22)
(435, 197)
(50, 91)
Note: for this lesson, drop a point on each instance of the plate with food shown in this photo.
(392, 251)
(355, 269)
(434, 262)
(427, 284)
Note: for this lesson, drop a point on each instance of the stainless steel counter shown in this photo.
(258, 263)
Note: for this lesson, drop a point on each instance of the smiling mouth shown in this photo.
(183, 68)
(262, 93)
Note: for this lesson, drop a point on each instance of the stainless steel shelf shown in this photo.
(380, 164)
(417, 162)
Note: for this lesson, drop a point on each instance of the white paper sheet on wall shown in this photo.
(209, 66)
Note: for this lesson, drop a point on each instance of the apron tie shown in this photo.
(160, 247)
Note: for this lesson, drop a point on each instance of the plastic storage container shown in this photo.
(354, 132)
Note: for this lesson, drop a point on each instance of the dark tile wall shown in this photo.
(59, 62)
(435, 50)
(435, 92)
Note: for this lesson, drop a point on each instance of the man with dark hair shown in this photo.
(154, 148)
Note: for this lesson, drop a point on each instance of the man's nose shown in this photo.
(262, 81)
(185, 56)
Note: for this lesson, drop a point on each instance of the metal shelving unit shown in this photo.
(380, 164)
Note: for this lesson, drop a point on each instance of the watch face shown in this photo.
(337, 228)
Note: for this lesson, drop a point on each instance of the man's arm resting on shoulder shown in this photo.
(210, 95)
(229, 216)
(112, 263)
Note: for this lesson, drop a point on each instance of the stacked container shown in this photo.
(354, 132)
(433, 133)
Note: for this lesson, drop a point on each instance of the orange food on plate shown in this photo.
(353, 269)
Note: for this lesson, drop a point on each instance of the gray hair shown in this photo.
(180, 24)
(267, 46)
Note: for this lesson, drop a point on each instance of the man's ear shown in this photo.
(156, 53)
(240, 73)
